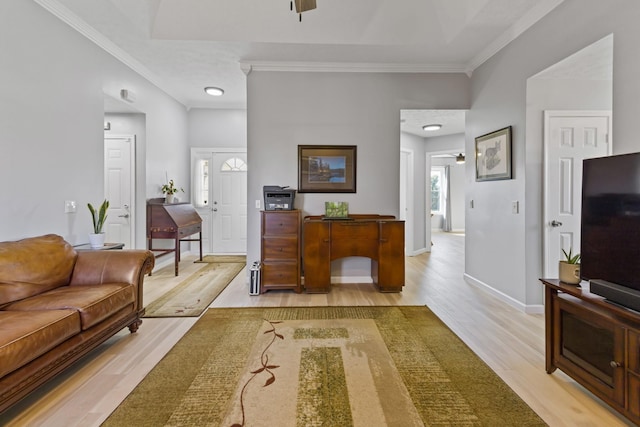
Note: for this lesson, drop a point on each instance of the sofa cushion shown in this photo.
(34, 265)
(27, 335)
(94, 302)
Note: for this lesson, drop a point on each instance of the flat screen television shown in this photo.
(610, 228)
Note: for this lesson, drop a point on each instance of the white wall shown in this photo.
(217, 128)
(286, 109)
(503, 250)
(52, 86)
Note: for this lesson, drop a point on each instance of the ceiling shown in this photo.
(184, 45)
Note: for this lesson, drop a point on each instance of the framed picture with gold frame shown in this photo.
(327, 168)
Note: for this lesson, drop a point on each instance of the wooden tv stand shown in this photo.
(594, 342)
(378, 237)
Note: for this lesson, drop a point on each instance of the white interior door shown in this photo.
(220, 197)
(570, 137)
(119, 189)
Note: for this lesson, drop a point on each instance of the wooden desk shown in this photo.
(176, 221)
(378, 237)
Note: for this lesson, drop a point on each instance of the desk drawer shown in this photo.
(280, 248)
(354, 230)
(280, 222)
(276, 274)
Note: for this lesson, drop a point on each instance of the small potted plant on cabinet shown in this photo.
(99, 216)
(569, 268)
(169, 190)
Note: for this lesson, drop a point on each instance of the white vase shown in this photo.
(169, 198)
(569, 273)
(96, 240)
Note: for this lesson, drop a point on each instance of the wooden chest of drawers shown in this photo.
(280, 250)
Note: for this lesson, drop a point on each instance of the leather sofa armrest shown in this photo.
(113, 266)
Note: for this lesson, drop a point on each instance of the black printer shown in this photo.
(278, 198)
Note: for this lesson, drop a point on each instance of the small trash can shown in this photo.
(254, 280)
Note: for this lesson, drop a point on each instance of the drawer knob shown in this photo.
(614, 364)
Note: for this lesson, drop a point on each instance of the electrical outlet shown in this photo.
(257, 204)
(70, 206)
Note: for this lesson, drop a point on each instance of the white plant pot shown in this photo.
(96, 240)
(169, 198)
(569, 273)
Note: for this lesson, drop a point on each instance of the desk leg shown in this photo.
(200, 245)
(177, 254)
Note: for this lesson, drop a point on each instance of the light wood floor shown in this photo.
(509, 341)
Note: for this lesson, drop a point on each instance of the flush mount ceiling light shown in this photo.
(214, 91)
(302, 6)
(430, 128)
(460, 159)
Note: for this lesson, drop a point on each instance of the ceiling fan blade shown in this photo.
(305, 5)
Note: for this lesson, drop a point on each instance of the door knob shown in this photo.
(123, 216)
(555, 223)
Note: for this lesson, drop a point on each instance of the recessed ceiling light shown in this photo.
(433, 127)
(214, 91)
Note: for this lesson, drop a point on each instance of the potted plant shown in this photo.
(569, 268)
(99, 216)
(170, 190)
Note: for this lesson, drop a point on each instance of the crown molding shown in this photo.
(65, 15)
(349, 67)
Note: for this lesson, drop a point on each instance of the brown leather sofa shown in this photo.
(57, 304)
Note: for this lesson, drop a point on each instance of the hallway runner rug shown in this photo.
(193, 295)
(322, 366)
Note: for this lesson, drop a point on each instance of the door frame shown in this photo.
(406, 171)
(548, 115)
(132, 181)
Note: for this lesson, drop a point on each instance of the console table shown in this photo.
(378, 237)
(594, 342)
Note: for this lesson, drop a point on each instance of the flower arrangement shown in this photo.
(170, 188)
(98, 216)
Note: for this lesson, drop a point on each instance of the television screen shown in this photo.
(610, 231)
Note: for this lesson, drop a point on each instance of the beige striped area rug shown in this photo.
(322, 366)
(194, 294)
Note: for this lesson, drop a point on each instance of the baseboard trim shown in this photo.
(529, 309)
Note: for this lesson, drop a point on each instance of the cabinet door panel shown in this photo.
(587, 345)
